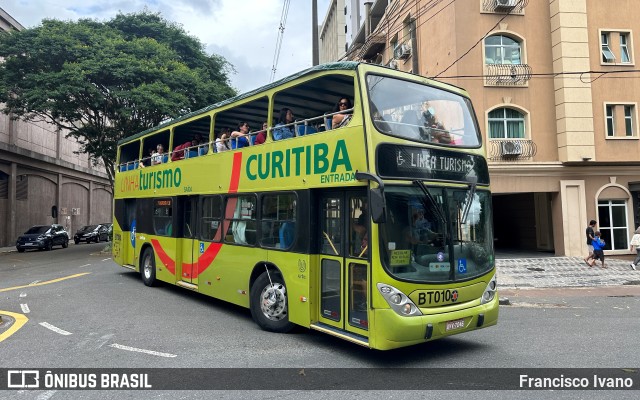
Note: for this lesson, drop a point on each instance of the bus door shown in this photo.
(128, 248)
(188, 240)
(344, 267)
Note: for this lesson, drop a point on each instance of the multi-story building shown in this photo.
(43, 178)
(555, 88)
(332, 33)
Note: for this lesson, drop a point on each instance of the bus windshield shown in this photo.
(421, 113)
(442, 236)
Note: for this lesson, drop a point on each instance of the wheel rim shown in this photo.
(147, 267)
(273, 301)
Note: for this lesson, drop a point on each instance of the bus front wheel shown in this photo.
(269, 303)
(148, 267)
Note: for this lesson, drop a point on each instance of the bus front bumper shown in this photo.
(393, 330)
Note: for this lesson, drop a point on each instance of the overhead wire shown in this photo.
(283, 23)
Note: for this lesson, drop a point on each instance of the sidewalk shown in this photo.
(548, 272)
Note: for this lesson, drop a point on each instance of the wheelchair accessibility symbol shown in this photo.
(462, 266)
(201, 247)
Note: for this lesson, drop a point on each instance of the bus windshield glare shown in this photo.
(421, 113)
(428, 239)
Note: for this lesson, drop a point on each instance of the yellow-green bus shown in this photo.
(369, 220)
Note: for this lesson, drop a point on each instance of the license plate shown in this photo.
(29, 244)
(455, 324)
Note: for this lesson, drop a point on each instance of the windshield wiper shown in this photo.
(467, 206)
(436, 207)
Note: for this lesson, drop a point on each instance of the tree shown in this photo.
(103, 81)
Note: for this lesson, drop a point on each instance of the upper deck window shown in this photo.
(421, 113)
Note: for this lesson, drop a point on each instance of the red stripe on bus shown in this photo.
(164, 257)
(235, 172)
(205, 260)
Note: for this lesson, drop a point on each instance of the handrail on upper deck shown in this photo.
(135, 164)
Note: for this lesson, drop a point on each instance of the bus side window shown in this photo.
(210, 226)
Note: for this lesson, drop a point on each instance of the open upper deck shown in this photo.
(339, 100)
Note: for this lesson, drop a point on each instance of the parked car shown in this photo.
(43, 237)
(91, 233)
(109, 227)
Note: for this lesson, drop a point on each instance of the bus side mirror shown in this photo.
(54, 212)
(378, 206)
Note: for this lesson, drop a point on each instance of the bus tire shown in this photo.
(148, 267)
(269, 307)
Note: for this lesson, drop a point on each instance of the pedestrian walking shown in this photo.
(635, 244)
(590, 236)
(598, 250)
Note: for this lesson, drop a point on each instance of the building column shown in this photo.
(573, 101)
(12, 204)
(59, 198)
(90, 201)
(574, 218)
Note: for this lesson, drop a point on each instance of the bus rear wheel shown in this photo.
(148, 267)
(269, 307)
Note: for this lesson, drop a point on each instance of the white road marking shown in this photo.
(34, 282)
(106, 259)
(86, 265)
(153, 353)
(54, 328)
(25, 308)
(23, 294)
(46, 395)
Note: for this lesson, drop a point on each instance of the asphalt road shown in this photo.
(102, 316)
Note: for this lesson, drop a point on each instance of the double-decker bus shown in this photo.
(376, 229)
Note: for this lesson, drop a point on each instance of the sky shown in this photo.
(242, 31)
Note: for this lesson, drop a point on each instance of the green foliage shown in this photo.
(103, 81)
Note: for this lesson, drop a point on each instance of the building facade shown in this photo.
(556, 95)
(43, 178)
(332, 33)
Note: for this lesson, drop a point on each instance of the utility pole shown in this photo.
(314, 33)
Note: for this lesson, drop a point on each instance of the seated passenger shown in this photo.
(240, 138)
(179, 151)
(158, 155)
(222, 142)
(342, 119)
(281, 131)
(262, 135)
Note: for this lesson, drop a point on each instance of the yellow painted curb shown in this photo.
(20, 320)
(44, 283)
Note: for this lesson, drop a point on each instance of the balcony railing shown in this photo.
(511, 149)
(504, 6)
(507, 74)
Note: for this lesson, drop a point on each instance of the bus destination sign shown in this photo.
(406, 162)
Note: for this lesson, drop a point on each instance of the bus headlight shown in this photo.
(398, 301)
(490, 291)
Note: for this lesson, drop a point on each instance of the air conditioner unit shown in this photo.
(405, 50)
(506, 3)
(393, 64)
(75, 211)
(510, 148)
(397, 51)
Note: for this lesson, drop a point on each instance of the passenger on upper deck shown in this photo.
(222, 144)
(240, 137)
(262, 135)
(281, 131)
(178, 152)
(342, 119)
(158, 155)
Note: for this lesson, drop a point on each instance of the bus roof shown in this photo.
(344, 65)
